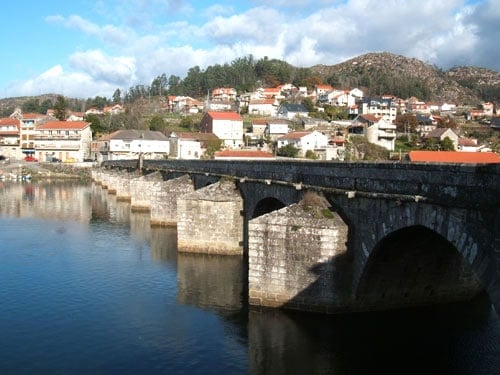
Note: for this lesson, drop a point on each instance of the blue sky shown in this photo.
(84, 48)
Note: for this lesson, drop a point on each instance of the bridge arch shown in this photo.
(266, 205)
(416, 266)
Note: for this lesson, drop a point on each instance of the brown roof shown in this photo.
(453, 157)
(295, 135)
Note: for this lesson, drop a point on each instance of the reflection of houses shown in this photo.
(441, 133)
(304, 141)
(9, 136)
(292, 111)
(65, 140)
(227, 126)
(376, 129)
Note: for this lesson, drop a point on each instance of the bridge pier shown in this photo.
(164, 200)
(295, 256)
(141, 189)
(210, 220)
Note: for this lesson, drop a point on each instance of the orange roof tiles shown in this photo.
(10, 121)
(225, 116)
(453, 157)
(243, 154)
(64, 125)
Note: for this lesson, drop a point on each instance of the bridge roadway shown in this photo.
(383, 206)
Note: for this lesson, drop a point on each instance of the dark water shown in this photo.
(86, 286)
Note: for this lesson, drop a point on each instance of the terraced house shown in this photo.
(68, 141)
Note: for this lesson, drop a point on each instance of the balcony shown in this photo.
(57, 137)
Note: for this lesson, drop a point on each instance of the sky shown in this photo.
(83, 48)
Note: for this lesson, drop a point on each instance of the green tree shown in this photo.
(447, 144)
(156, 123)
(45, 106)
(60, 108)
(117, 96)
(288, 151)
(31, 106)
(310, 154)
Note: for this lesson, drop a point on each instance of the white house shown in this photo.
(377, 130)
(263, 107)
(185, 146)
(127, 144)
(227, 126)
(385, 108)
(304, 141)
(276, 128)
(68, 141)
(9, 137)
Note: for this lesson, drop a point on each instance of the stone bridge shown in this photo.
(331, 237)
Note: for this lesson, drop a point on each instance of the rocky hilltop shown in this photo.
(387, 73)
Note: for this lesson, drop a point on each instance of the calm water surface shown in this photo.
(88, 287)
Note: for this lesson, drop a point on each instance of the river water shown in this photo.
(88, 287)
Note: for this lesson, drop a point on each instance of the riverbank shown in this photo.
(22, 170)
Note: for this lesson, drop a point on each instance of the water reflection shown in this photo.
(210, 282)
(164, 245)
(53, 200)
(113, 295)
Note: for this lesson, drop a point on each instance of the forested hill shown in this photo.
(386, 73)
(374, 73)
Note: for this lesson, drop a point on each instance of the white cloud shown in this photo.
(100, 67)
(303, 33)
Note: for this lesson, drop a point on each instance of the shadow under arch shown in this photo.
(266, 206)
(415, 266)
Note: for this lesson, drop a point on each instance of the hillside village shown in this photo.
(318, 122)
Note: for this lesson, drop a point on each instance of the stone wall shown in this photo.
(210, 220)
(294, 255)
(164, 200)
(141, 189)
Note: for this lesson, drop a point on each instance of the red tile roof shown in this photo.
(64, 125)
(247, 154)
(453, 157)
(10, 121)
(225, 116)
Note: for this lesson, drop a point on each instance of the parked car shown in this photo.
(30, 158)
(53, 159)
(4, 159)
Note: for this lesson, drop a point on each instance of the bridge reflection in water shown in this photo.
(454, 339)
